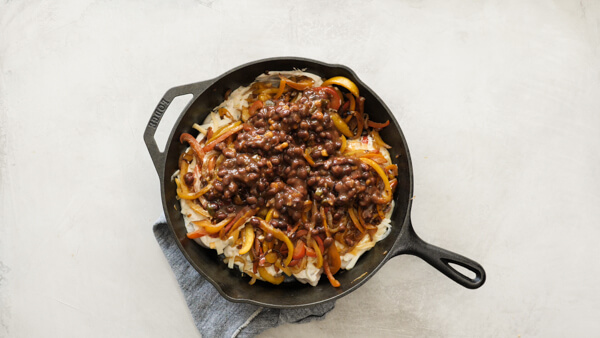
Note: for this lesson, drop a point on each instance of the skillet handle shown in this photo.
(440, 259)
(158, 157)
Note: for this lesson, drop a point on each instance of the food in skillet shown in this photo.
(288, 177)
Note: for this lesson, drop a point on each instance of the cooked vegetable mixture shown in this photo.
(288, 177)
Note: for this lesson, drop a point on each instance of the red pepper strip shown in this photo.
(294, 262)
(299, 250)
(196, 147)
(255, 267)
(235, 219)
(332, 279)
(221, 138)
(283, 250)
(336, 101)
(197, 234)
(254, 107)
(320, 243)
(378, 125)
(310, 252)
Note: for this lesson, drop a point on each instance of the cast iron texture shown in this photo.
(401, 240)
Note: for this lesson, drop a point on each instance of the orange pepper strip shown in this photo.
(197, 234)
(354, 218)
(297, 85)
(198, 209)
(332, 279)
(222, 137)
(325, 222)
(267, 276)
(222, 130)
(254, 107)
(281, 89)
(212, 229)
(242, 220)
(344, 143)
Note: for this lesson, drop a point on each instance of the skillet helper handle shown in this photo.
(158, 157)
(441, 259)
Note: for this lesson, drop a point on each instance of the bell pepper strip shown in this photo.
(379, 141)
(332, 279)
(242, 220)
(280, 236)
(383, 176)
(296, 85)
(271, 257)
(336, 100)
(232, 222)
(393, 184)
(209, 227)
(283, 269)
(196, 147)
(189, 196)
(281, 89)
(294, 262)
(355, 221)
(310, 252)
(342, 82)
(299, 250)
(197, 208)
(378, 125)
(325, 222)
(341, 125)
(248, 239)
(269, 215)
(344, 143)
(223, 130)
(308, 158)
(344, 108)
(267, 276)
(258, 104)
(380, 159)
(301, 233)
(319, 243)
(222, 137)
(352, 101)
(392, 169)
(318, 251)
(197, 234)
(333, 258)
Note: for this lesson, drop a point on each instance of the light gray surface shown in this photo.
(499, 101)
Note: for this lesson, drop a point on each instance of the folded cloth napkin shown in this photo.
(215, 316)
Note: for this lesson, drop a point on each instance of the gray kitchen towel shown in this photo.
(215, 316)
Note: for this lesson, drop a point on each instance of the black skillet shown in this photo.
(401, 240)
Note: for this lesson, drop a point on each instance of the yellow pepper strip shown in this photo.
(280, 236)
(315, 247)
(267, 276)
(355, 220)
(308, 158)
(212, 229)
(334, 259)
(248, 239)
(190, 196)
(379, 141)
(342, 82)
(383, 176)
(197, 208)
(332, 279)
(269, 215)
(341, 125)
(352, 101)
(223, 130)
(344, 144)
(271, 257)
(380, 212)
(285, 270)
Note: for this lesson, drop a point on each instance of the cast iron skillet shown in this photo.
(401, 240)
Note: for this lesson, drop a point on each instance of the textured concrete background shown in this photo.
(499, 101)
